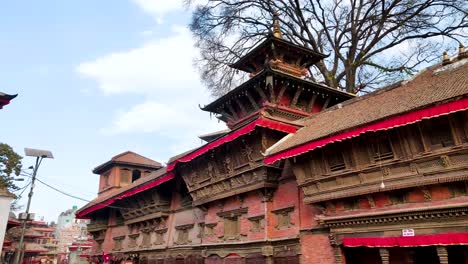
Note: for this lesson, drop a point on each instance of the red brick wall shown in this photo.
(316, 249)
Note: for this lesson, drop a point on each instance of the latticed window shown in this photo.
(440, 133)
(159, 238)
(382, 149)
(125, 177)
(335, 161)
(118, 243)
(231, 227)
(146, 239)
(182, 236)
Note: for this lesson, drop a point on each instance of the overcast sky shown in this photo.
(96, 78)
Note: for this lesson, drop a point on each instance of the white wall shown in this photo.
(5, 201)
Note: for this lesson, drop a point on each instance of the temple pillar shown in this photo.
(443, 254)
(384, 255)
(338, 253)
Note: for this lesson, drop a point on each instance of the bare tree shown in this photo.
(369, 42)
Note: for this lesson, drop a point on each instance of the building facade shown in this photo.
(304, 174)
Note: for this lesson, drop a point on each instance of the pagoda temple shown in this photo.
(305, 173)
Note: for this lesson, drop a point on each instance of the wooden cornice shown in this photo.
(397, 217)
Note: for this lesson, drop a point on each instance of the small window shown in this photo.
(382, 149)
(159, 238)
(125, 177)
(231, 227)
(335, 161)
(439, 132)
(182, 236)
(136, 174)
(146, 240)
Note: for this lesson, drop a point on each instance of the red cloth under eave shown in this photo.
(448, 239)
(392, 122)
(232, 136)
(131, 192)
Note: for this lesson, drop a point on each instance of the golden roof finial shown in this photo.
(445, 58)
(276, 26)
(461, 52)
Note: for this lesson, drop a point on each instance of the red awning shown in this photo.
(232, 136)
(131, 192)
(401, 120)
(448, 239)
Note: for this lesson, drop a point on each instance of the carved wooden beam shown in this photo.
(252, 101)
(261, 93)
(296, 97)
(233, 112)
(311, 103)
(280, 94)
(241, 106)
(325, 105)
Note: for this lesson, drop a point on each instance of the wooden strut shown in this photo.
(241, 106)
(261, 93)
(296, 97)
(325, 105)
(311, 103)
(233, 112)
(280, 94)
(252, 100)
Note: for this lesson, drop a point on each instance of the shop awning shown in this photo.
(447, 239)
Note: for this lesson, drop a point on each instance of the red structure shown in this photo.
(5, 99)
(305, 174)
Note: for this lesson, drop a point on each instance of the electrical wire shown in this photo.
(75, 196)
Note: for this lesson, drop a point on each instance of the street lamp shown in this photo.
(40, 155)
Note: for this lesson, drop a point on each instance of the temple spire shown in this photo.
(276, 26)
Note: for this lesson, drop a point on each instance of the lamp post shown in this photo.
(40, 155)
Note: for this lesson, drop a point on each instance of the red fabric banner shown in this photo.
(389, 123)
(232, 136)
(446, 239)
(128, 193)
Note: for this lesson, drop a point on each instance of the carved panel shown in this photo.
(416, 172)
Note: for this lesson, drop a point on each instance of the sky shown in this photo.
(94, 79)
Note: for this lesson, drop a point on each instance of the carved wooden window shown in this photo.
(335, 161)
(256, 223)
(398, 197)
(382, 149)
(231, 227)
(106, 178)
(132, 240)
(209, 229)
(125, 177)
(118, 243)
(286, 260)
(159, 236)
(283, 217)
(183, 234)
(440, 133)
(146, 239)
(136, 174)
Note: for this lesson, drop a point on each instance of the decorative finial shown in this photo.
(461, 52)
(276, 26)
(445, 58)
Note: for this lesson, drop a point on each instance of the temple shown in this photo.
(305, 173)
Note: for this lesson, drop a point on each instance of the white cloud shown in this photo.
(162, 71)
(159, 8)
(155, 67)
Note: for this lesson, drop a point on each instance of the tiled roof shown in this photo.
(432, 86)
(116, 192)
(128, 158)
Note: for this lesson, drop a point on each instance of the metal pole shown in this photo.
(19, 254)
